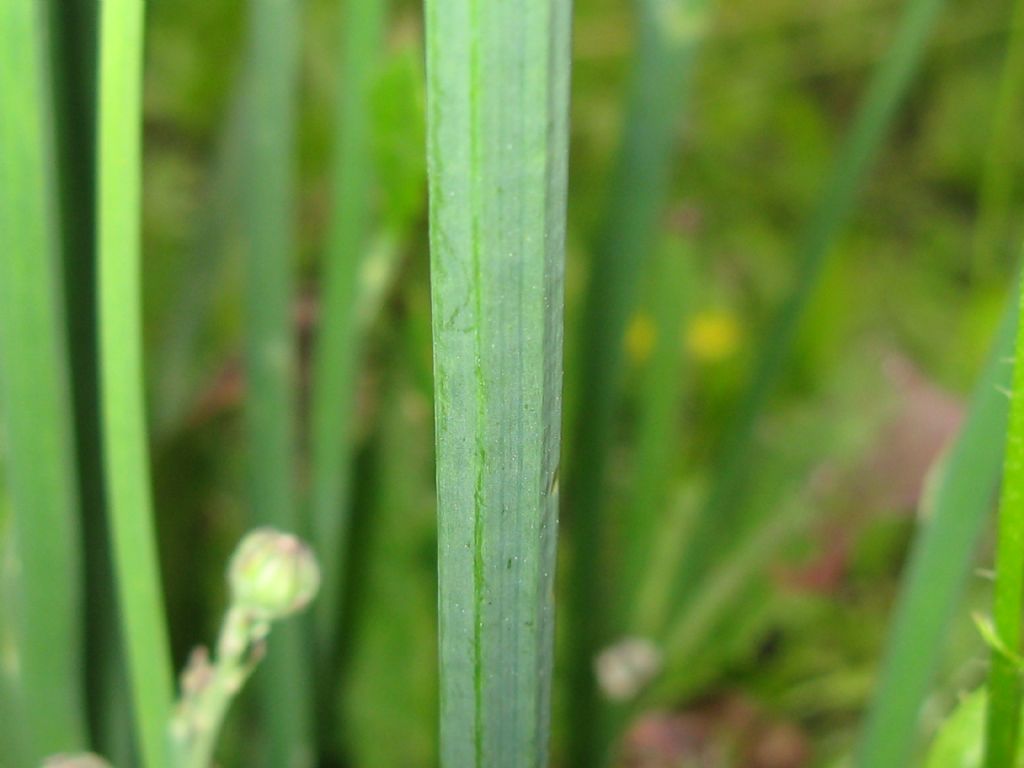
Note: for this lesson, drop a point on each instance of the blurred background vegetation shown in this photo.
(897, 331)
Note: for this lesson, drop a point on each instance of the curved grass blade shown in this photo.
(124, 428)
(497, 92)
(938, 567)
(267, 207)
(888, 87)
(35, 394)
(668, 37)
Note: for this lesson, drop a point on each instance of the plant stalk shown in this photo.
(1002, 722)
(268, 249)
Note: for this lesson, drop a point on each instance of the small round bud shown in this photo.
(624, 669)
(75, 761)
(272, 575)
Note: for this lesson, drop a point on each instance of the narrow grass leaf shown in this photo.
(122, 385)
(337, 351)
(35, 395)
(270, 354)
(391, 691)
(667, 41)
(74, 25)
(657, 441)
(181, 363)
(497, 102)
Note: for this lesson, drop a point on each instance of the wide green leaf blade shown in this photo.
(497, 87)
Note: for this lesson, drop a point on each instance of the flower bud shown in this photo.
(75, 761)
(624, 669)
(272, 575)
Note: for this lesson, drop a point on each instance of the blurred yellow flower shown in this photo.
(641, 336)
(712, 336)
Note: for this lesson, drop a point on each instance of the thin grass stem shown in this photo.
(181, 365)
(1002, 722)
(125, 443)
(337, 351)
(657, 433)
(667, 42)
(268, 248)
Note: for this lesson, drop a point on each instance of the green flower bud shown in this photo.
(272, 575)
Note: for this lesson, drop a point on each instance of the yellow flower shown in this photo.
(712, 336)
(641, 336)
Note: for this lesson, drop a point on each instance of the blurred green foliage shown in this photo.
(777, 84)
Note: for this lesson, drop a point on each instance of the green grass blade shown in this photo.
(122, 384)
(391, 690)
(182, 363)
(337, 352)
(960, 741)
(668, 37)
(73, 61)
(1002, 730)
(268, 249)
(74, 56)
(34, 390)
(657, 441)
(497, 93)
(938, 568)
(888, 87)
